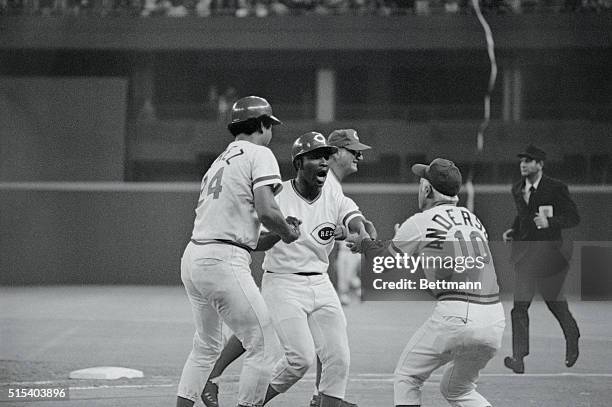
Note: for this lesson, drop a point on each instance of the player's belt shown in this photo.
(301, 273)
(222, 241)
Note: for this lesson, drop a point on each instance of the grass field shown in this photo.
(46, 332)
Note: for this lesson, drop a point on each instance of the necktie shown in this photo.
(531, 191)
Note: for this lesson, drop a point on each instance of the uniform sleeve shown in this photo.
(407, 237)
(348, 211)
(265, 170)
(277, 198)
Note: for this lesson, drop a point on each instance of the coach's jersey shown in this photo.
(226, 207)
(333, 182)
(453, 246)
(310, 252)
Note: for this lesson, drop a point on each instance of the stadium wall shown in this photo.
(62, 129)
(434, 32)
(116, 233)
(183, 140)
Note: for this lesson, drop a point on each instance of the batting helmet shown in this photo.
(308, 142)
(252, 107)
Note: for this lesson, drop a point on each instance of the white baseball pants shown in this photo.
(465, 349)
(221, 289)
(309, 320)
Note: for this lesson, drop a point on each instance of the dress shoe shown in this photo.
(571, 351)
(515, 364)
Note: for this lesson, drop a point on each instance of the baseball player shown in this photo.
(303, 304)
(466, 327)
(341, 163)
(236, 197)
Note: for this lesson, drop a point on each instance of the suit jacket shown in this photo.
(541, 251)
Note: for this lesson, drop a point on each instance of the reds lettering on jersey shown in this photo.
(310, 252)
(226, 207)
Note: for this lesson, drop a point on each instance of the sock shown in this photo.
(318, 375)
(329, 401)
(232, 351)
(183, 402)
(270, 394)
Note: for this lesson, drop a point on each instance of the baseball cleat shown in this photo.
(315, 401)
(516, 365)
(571, 352)
(210, 394)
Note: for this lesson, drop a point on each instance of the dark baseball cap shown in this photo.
(346, 138)
(533, 153)
(443, 175)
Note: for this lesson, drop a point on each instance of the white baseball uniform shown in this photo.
(215, 271)
(466, 327)
(303, 304)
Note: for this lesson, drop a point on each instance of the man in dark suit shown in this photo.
(540, 259)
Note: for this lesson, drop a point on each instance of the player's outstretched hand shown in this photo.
(370, 229)
(293, 221)
(340, 233)
(353, 241)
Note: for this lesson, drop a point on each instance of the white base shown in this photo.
(105, 373)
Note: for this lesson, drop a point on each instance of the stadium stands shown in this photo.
(265, 8)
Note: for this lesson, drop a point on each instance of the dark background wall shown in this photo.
(101, 236)
(62, 129)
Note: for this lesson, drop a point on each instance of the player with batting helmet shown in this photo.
(236, 198)
(303, 303)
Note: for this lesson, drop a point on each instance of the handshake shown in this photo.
(294, 227)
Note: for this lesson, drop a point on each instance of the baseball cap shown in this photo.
(533, 153)
(443, 175)
(346, 138)
(308, 142)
